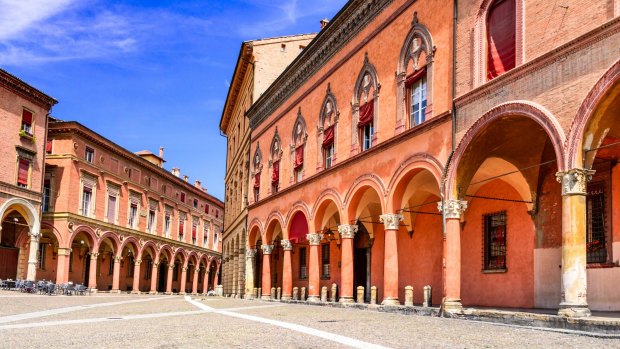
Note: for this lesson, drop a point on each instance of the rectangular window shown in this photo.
(48, 146)
(27, 122)
(195, 203)
(417, 101)
(149, 267)
(111, 216)
(207, 208)
(151, 222)
(182, 197)
(133, 213)
(23, 173)
(47, 191)
(303, 266)
(328, 155)
(87, 195)
(89, 154)
(205, 237)
(167, 224)
(194, 230)
(495, 241)
(181, 230)
(41, 256)
(596, 247)
(325, 261)
(367, 132)
(217, 213)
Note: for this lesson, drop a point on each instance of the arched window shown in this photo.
(415, 77)
(258, 166)
(298, 147)
(274, 161)
(497, 39)
(501, 38)
(365, 107)
(328, 120)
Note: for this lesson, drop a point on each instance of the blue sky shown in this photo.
(146, 73)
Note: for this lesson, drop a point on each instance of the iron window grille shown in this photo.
(596, 244)
(495, 241)
(325, 270)
(303, 266)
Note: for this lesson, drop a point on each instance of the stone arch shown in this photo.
(88, 231)
(366, 180)
(274, 216)
(54, 230)
(418, 46)
(363, 87)
(113, 237)
(416, 162)
(168, 253)
(327, 194)
(133, 241)
(26, 210)
(182, 253)
(479, 39)
(153, 247)
(255, 233)
(527, 109)
(600, 91)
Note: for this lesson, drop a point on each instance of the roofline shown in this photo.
(21, 87)
(74, 126)
(241, 63)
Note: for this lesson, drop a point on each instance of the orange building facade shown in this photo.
(117, 221)
(23, 116)
(471, 148)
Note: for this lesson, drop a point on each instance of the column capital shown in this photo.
(267, 249)
(314, 238)
(155, 265)
(250, 253)
(453, 208)
(391, 221)
(171, 267)
(63, 251)
(137, 262)
(34, 236)
(574, 181)
(94, 255)
(287, 245)
(347, 231)
(196, 270)
(184, 269)
(117, 259)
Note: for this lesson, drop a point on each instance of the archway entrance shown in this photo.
(362, 244)
(13, 225)
(162, 275)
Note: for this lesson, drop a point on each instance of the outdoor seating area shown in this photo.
(44, 287)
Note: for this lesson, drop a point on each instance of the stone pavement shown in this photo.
(146, 321)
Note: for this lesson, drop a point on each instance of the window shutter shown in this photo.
(48, 146)
(299, 157)
(181, 227)
(27, 117)
(366, 113)
(328, 136)
(207, 208)
(275, 178)
(194, 231)
(22, 173)
(111, 208)
(501, 37)
(257, 181)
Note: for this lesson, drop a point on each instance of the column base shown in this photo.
(115, 291)
(453, 306)
(286, 298)
(266, 297)
(346, 299)
(574, 310)
(153, 292)
(168, 293)
(313, 299)
(390, 301)
(136, 292)
(248, 296)
(93, 290)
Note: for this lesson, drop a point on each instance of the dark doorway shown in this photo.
(361, 261)
(86, 269)
(258, 263)
(8, 262)
(161, 277)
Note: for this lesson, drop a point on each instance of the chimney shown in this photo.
(324, 22)
(161, 152)
(197, 184)
(176, 171)
(186, 178)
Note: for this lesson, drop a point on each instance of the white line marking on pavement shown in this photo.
(355, 343)
(37, 314)
(254, 307)
(101, 319)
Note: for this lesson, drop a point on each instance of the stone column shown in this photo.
(347, 233)
(169, 281)
(250, 260)
(154, 277)
(287, 270)
(92, 273)
(35, 236)
(240, 272)
(205, 282)
(314, 278)
(183, 280)
(266, 284)
(116, 274)
(574, 301)
(453, 209)
(391, 223)
(195, 280)
(135, 287)
(216, 279)
(63, 264)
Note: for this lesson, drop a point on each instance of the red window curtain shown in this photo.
(207, 208)
(22, 173)
(48, 146)
(275, 177)
(27, 117)
(415, 77)
(257, 181)
(366, 113)
(299, 156)
(193, 232)
(501, 38)
(328, 136)
(111, 208)
(180, 227)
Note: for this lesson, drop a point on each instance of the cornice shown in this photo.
(354, 17)
(237, 83)
(20, 87)
(558, 54)
(73, 127)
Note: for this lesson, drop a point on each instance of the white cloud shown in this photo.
(19, 15)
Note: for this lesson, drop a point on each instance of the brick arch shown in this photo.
(152, 245)
(88, 231)
(274, 216)
(24, 208)
(366, 180)
(130, 240)
(113, 237)
(56, 233)
(254, 231)
(528, 109)
(180, 251)
(170, 254)
(585, 112)
(193, 255)
(327, 194)
(416, 162)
